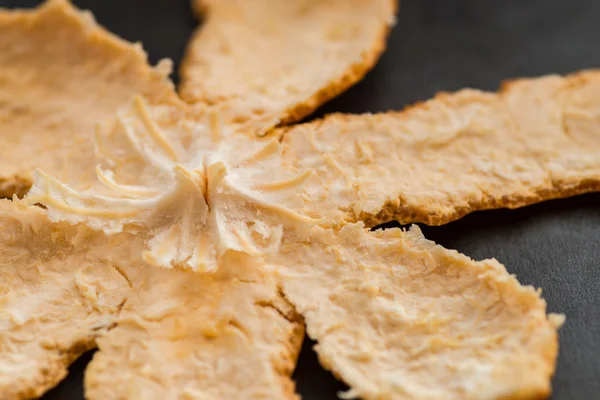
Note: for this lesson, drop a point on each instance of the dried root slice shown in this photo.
(189, 336)
(397, 317)
(61, 74)
(537, 139)
(56, 296)
(270, 62)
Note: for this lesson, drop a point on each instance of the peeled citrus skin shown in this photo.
(62, 74)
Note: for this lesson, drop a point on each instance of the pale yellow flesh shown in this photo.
(177, 334)
(61, 74)
(268, 62)
(537, 139)
(397, 317)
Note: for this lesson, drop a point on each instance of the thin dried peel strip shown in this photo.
(397, 317)
(235, 338)
(269, 62)
(537, 139)
(60, 74)
(54, 299)
(183, 176)
(63, 287)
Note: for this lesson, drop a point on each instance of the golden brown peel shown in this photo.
(60, 74)
(178, 335)
(535, 140)
(397, 317)
(56, 296)
(194, 336)
(270, 62)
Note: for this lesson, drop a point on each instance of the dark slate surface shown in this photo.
(445, 45)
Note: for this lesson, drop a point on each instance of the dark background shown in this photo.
(445, 45)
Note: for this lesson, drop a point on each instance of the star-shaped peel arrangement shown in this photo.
(192, 255)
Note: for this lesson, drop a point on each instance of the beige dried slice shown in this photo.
(537, 139)
(178, 335)
(270, 62)
(199, 187)
(55, 298)
(398, 317)
(196, 336)
(60, 74)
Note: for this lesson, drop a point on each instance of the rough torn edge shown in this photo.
(394, 210)
(48, 378)
(353, 74)
(285, 367)
(20, 184)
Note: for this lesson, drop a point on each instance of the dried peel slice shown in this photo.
(537, 139)
(55, 298)
(63, 287)
(194, 336)
(199, 187)
(60, 74)
(397, 317)
(269, 62)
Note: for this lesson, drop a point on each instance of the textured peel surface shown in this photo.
(60, 74)
(397, 317)
(188, 335)
(267, 62)
(535, 140)
(64, 288)
(56, 296)
(200, 188)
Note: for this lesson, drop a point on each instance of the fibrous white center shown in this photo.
(185, 184)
